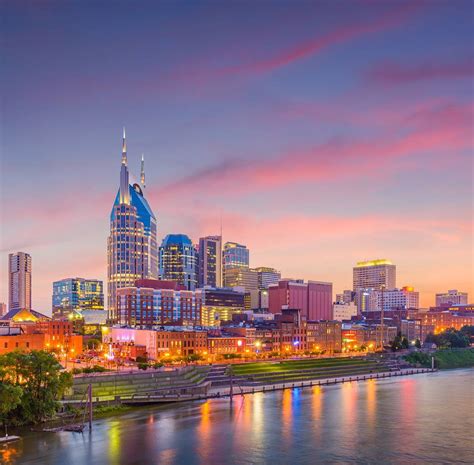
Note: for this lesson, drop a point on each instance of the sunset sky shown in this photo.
(323, 133)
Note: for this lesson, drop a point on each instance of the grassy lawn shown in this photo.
(286, 366)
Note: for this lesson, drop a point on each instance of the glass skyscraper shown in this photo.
(235, 255)
(77, 294)
(210, 261)
(178, 260)
(132, 250)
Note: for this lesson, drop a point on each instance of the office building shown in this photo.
(452, 297)
(154, 303)
(374, 274)
(178, 260)
(77, 294)
(234, 256)
(220, 304)
(403, 298)
(266, 277)
(246, 279)
(19, 284)
(210, 261)
(132, 251)
(313, 299)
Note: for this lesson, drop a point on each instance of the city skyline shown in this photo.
(257, 139)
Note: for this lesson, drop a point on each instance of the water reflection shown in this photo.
(387, 421)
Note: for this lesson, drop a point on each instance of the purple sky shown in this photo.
(323, 132)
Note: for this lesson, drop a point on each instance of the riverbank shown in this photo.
(444, 359)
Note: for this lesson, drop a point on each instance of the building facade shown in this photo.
(155, 303)
(132, 251)
(19, 280)
(313, 298)
(162, 343)
(403, 298)
(266, 277)
(374, 274)
(210, 261)
(245, 278)
(452, 297)
(178, 260)
(234, 255)
(344, 312)
(77, 294)
(219, 304)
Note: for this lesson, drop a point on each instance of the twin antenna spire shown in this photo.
(124, 159)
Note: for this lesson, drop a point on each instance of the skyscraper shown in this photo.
(19, 285)
(178, 260)
(210, 261)
(235, 255)
(374, 274)
(132, 251)
(77, 294)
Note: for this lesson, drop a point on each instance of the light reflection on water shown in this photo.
(418, 419)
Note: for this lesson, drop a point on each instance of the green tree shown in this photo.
(405, 343)
(41, 379)
(10, 398)
(418, 344)
(396, 343)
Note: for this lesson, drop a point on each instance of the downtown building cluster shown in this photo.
(182, 297)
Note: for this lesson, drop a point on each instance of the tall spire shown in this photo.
(142, 172)
(124, 178)
(124, 148)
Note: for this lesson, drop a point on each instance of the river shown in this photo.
(416, 419)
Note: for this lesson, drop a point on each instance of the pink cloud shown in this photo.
(389, 74)
(438, 129)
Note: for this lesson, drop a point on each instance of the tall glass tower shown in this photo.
(178, 260)
(132, 250)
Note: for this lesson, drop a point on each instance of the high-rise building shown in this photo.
(178, 260)
(266, 277)
(3, 309)
(77, 294)
(313, 299)
(210, 261)
(374, 274)
(19, 285)
(452, 297)
(132, 251)
(244, 278)
(235, 255)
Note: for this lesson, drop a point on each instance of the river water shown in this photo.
(417, 419)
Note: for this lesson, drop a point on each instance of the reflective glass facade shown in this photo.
(78, 294)
(178, 260)
(132, 251)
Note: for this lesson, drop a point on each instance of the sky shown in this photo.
(322, 133)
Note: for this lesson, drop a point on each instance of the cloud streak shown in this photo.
(394, 74)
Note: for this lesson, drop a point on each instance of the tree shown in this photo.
(40, 377)
(10, 398)
(418, 344)
(397, 343)
(405, 343)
